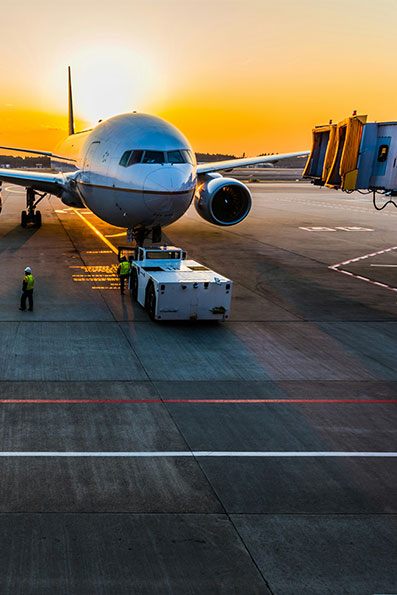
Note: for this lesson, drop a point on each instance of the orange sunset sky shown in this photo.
(234, 76)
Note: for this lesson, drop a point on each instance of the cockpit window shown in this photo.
(190, 157)
(131, 157)
(175, 157)
(139, 156)
(125, 157)
(135, 157)
(153, 157)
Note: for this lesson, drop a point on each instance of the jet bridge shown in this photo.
(355, 155)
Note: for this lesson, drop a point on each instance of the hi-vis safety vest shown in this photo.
(29, 282)
(124, 268)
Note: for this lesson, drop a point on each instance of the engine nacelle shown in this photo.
(70, 196)
(72, 200)
(222, 201)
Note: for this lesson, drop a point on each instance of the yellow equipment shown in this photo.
(333, 160)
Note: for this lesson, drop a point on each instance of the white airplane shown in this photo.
(135, 171)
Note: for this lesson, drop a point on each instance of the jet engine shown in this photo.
(70, 195)
(72, 200)
(222, 201)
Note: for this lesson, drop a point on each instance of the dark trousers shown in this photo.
(123, 278)
(27, 293)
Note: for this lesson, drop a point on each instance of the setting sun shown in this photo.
(234, 77)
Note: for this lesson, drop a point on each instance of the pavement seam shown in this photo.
(251, 556)
(217, 497)
(220, 502)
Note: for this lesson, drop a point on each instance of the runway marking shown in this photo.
(97, 274)
(201, 453)
(319, 228)
(197, 401)
(14, 190)
(335, 267)
(95, 230)
(98, 251)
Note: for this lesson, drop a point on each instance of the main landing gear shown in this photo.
(31, 216)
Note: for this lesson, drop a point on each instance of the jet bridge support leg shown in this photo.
(31, 215)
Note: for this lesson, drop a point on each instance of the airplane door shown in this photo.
(89, 161)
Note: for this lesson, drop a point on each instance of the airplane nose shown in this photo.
(166, 179)
(166, 188)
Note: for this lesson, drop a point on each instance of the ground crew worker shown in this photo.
(27, 290)
(123, 272)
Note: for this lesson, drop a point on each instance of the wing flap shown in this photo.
(204, 168)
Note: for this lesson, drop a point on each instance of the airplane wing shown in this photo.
(43, 182)
(205, 168)
(44, 153)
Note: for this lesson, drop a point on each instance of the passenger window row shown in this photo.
(182, 156)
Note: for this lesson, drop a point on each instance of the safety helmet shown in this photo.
(28, 270)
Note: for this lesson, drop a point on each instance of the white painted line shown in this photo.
(201, 453)
(383, 265)
(14, 190)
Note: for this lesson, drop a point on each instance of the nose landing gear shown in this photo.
(139, 234)
(31, 216)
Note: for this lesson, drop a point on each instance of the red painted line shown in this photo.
(364, 256)
(335, 267)
(191, 401)
(389, 287)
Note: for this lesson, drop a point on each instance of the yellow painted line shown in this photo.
(95, 230)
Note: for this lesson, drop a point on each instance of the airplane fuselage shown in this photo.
(133, 170)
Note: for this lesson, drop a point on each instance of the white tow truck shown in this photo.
(170, 287)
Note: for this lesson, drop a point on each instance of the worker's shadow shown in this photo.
(13, 240)
(128, 304)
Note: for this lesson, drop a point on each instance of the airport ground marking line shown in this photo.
(199, 453)
(96, 231)
(195, 401)
(335, 267)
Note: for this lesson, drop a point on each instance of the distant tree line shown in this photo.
(18, 162)
(206, 157)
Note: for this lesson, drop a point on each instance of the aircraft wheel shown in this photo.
(24, 218)
(37, 219)
(134, 284)
(151, 302)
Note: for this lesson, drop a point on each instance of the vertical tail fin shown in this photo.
(70, 97)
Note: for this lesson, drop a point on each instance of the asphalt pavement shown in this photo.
(253, 456)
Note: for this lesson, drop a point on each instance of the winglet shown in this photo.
(71, 119)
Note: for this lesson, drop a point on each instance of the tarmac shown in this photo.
(255, 456)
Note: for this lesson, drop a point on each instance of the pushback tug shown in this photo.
(170, 287)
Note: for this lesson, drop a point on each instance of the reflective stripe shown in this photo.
(124, 268)
(29, 282)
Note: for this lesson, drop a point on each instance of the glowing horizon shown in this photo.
(233, 76)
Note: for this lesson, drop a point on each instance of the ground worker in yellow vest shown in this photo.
(123, 272)
(27, 290)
